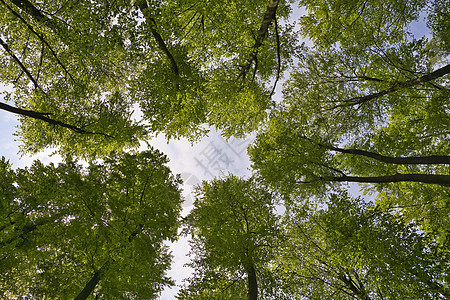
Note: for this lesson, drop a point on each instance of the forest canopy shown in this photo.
(364, 104)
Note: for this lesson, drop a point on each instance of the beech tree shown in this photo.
(79, 71)
(235, 233)
(353, 250)
(71, 232)
(367, 103)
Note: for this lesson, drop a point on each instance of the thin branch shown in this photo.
(35, 13)
(256, 68)
(360, 12)
(190, 28)
(386, 57)
(359, 78)
(87, 206)
(189, 22)
(41, 38)
(25, 47)
(16, 59)
(143, 191)
(333, 169)
(41, 59)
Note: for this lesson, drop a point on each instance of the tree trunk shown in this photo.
(91, 284)
(143, 7)
(269, 16)
(443, 180)
(252, 292)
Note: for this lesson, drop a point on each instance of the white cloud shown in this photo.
(210, 157)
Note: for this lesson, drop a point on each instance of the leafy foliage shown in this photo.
(368, 102)
(363, 107)
(235, 233)
(90, 65)
(352, 250)
(68, 224)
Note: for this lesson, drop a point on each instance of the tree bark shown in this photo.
(402, 85)
(143, 7)
(425, 160)
(269, 16)
(92, 283)
(443, 180)
(252, 283)
(35, 13)
(414, 160)
(43, 117)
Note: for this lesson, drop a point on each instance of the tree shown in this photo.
(368, 103)
(234, 232)
(78, 72)
(349, 249)
(71, 232)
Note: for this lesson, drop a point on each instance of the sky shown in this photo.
(212, 156)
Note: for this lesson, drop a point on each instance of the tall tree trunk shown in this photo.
(252, 286)
(269, 17)
(91, 284)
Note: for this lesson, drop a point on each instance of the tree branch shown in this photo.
(43, 117)
(415, 160)
(402, 85)
(278, 58)
(419, 160)
(91, 284)
(16, 59)
(35, 13)
(443, 180)
(348, 281)
(41, 38)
